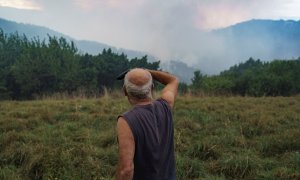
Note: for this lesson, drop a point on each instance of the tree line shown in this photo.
(30, 67)
(252, 78)
(38, 67)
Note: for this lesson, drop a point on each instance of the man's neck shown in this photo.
(135, 102)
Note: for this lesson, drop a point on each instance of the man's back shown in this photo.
(146, 134)
(152, 128)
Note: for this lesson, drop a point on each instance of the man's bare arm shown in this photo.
(171, 82)
(126, 150)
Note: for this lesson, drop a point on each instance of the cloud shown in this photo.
(116, 5)
(21, 4)
(212, 14)
(86, 4)
(288, 9)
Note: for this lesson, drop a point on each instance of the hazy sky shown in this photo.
(165, 28)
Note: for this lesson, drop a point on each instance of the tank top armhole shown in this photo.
(164, 102)
(131, 126)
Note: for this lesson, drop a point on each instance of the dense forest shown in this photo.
(34, 67)
(252, 78)
(38, 67)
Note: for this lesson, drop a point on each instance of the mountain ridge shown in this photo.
(84, 46)
(260, 39)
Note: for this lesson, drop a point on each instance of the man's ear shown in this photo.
(124, 90)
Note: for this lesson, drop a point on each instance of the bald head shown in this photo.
(138, 76)
(138, 83)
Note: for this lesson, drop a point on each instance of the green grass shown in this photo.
(215, 138)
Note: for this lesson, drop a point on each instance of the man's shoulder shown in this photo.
(126, 113)
(163, 102)
(159, 103)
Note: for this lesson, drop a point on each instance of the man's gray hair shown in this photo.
(138, 92)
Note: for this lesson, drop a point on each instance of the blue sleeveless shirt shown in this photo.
(153, 131)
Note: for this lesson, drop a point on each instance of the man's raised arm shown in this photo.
(171, 82)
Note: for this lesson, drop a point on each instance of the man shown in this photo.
(146, 133)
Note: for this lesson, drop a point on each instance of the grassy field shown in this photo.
(215, 138)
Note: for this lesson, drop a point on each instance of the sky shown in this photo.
(167, 29)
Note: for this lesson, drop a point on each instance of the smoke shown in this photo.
(180, 30)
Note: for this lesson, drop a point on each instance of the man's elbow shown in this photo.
(127, 171)
(176, 80)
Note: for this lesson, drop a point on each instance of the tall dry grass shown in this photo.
(215, 137)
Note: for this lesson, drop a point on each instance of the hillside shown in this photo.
(84, 46)
(266, 40)
(263, 39)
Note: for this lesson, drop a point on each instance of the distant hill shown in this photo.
(264, 39)
(84, 46)
(260, 39)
